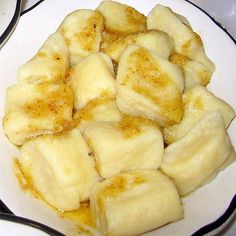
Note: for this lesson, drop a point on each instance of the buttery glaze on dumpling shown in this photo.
(149, 86)
(134, 202)
(133, 143)
(51, 63)
(36, 109)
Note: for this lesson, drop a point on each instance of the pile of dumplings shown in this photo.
(113, 109)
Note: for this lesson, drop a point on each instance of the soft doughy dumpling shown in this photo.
(149, 86)
(118, 203)
(121, 18)
(59, 168)
(153, 40)
(197, 102)
(187, 42)
(195, 73)
(82, 30)
(133, 143)
(194, 159)
(91, 78)
(35, 109)
(51, 63)
(97, 110)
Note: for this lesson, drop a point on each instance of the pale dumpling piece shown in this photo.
(149, 86)
(36, 109)
(197, 157)
(187, 42)
(133, 143)
(153, 40)
(82, 30)
(197, 102)
(59, 168)
(134, 202)
(51, 63)
(97, 110)
(195, 73)
(121, 18)
(92, 77)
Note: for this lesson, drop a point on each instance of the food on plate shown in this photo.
(134, 202)
(119, 20)
(99, 109)
(195, 73)
(187, 43)
(133, 143)
(82, 31)
(152, 40)
(36, 109)
(198, 101)
(51, 63)
(113, 120)
(149, 86)
(59, 168)
(92, 77)
(198, 155)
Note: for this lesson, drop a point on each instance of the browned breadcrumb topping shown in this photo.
(147, 79)
(88, 38)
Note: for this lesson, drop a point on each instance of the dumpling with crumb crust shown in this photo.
(51, 63)
(149, 86)
(153, 40)
(120, 203)
(82, 31)
(36, 109)
(59, 168)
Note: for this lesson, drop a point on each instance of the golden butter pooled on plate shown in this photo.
(59, 168)
(198, 156)
(51, 63)
(82, 31)
(102, 108)
(149, 86)
(198, 101)
(36, 109)
(92, 77)
(153, 40)
(134, 202)
(133, 143)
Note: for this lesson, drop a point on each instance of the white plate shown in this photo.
(204, 205)
(13, 225)
(9, 15)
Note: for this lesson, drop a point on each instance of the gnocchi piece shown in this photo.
(97, 110)
(187, 42)
(195, 73)
(133, 143)
(152, 40)
(120, 18)
(59, 168)
(149, 86)
(36, 109)
(82, 31)
(118, 203)
(197, 102)
(91, 78)
(197, 157)
(51, 63)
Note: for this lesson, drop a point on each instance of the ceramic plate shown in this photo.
(203, 206)
(9, 15)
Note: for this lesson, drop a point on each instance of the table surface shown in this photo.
(223, 12)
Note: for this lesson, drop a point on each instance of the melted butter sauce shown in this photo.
(79, 217)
